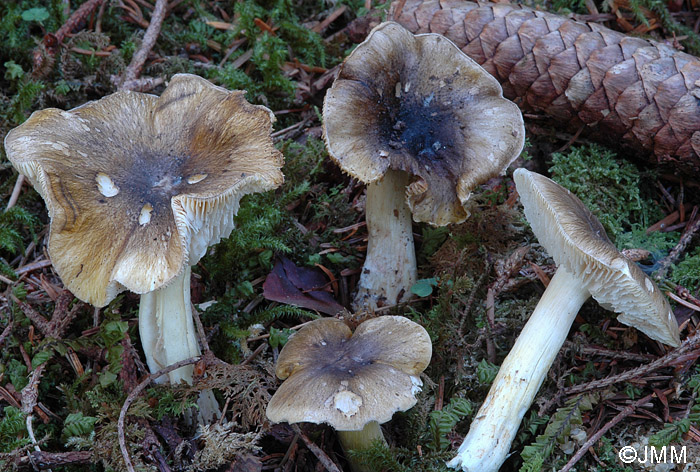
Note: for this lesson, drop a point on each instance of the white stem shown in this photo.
(524, 369)
(168, 335)
(389, 270)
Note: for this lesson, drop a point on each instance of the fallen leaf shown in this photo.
(300, 286)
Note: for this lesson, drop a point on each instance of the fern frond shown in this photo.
(673, 432)
(558, 429)
(268, 315)
(443, 421)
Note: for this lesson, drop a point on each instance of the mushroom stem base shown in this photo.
(168, 335)
(390, 269)
(360, 441)
(520, 376)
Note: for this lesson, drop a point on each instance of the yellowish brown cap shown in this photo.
(347, 380)
(576, 240)
(137, 186)
(420, 105)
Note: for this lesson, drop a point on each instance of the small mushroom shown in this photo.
(353, 382)
(137, 187)
(422, 125)
(588, 265)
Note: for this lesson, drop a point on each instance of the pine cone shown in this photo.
(638, 93)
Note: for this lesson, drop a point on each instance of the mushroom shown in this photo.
(137, 187)
(353, 382)
(422, 125)
(588, 265)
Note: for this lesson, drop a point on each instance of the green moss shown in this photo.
(657, 242)
(569, 6)
(15, 225)
(687, 272)
(25, 92)
(19, 32)
(264, 80)
(608, 186)
(268, 224)
(13, 432)
(307, 45)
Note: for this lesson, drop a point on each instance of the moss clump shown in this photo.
(687, 272)
(21, 21)
(609, 187)
(263, 78)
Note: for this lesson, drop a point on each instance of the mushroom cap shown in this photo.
(576, 240)
(420, 105)
(347, 380)
(138, 186)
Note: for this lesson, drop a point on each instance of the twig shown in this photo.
(100, 14)
(265, 336)
(43, 460)
(15, 192)
(30, 431)
(200, 328)
(317, 451)
(149, 40)
(33, 266)
(132, 396)
(294, 127)
(242, 59)
(677, 251)
(683, 302)
(9, 398)
(30, 393)
(439, 398)
(257, 351)
(6, 332)
(330, 19)
(142, 84)
(490, 318)
(55, 328)
(397, 11)
(599, 434)
(686, 346)
(571, 141)
(77, 18)
(290, 450)
(5, 280)
(38, 320)
(599, 351)
(470, 301)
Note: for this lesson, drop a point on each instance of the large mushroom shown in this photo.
(137, 187)
(588, 265)
(422, 125)
(353, 382)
